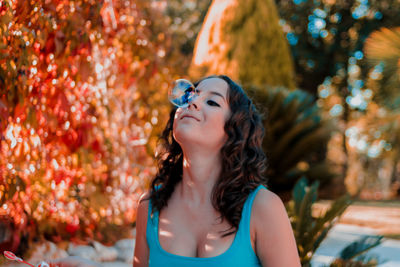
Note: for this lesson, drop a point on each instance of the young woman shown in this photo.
(207, 205)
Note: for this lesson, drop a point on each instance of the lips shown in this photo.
(189, 116)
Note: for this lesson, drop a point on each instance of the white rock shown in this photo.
(86, 252)
(126, 255)
(116, 264)
(46, 251)
(105, 253)
(125, 243)
(125, 249)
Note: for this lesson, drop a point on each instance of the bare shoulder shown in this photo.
(142, 210)
(141, 216)
(143, 204)
(267, 203)
(275, 244)
(144, 197)
(267, 207)
(141, 254)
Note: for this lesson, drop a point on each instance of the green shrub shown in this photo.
(296, 136)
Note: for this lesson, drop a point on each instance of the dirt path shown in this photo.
(386, 220)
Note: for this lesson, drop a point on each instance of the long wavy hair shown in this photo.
(243, 160)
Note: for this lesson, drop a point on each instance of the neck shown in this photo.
(200, 173)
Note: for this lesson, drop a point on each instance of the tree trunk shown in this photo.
(394, 181)
(340, 187)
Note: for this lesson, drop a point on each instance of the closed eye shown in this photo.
(212, 103)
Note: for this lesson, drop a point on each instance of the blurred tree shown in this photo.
(326, 39)
(81, 98)
(243, 39)
(325, 35)
(185, 19)
(382, 50)
(373, 146)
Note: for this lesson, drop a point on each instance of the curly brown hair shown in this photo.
(243, 160)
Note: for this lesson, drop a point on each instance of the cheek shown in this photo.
(177, 114)
(218, 126)
(176, 127)
(219, 131)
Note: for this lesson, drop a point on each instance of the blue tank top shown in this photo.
(240, 253)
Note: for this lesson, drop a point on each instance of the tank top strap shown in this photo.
(244, 225)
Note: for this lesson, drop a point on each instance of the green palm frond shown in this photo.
(353, 255)
(383, 44)
(360, 246)
(309, 231)
(383, 48)
(326, 222)
(299, 192)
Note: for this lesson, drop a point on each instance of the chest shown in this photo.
(191, 233)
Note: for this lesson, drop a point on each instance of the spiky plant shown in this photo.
(308, 230)
(295, 138)
(353, 254)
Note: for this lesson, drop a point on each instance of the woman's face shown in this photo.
(203, 121)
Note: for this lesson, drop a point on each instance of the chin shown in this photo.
(182, 135)
(183, 138)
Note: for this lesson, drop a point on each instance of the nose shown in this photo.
(192, 104)
(195, 103)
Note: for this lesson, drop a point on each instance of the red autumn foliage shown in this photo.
(77, 93)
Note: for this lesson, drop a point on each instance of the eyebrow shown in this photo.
(214, 93)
